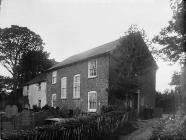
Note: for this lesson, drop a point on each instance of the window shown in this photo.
(64, 87)
(39, 103)
(27, 89)
(92, 101)
(53, 100)
(92, 68)
(39, 87)
(76, 86)
(54, 77)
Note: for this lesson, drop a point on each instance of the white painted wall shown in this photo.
(34, 94)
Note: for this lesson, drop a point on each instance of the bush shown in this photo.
(36, 108)
(77, 112)
(89, 127)
(46, 107)
(39, 117)
(65, 113)
(59, 112)
(109, 108)
(172, 127)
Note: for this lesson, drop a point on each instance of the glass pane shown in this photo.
(92, 100)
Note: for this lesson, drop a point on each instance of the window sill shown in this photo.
(90, 77)
(92, 110)
(64, 98)
(76, 98)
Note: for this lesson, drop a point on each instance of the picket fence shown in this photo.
(83, 128)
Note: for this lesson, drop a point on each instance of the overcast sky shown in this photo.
(72, 26)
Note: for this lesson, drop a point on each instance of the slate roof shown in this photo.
(87, 54)
(38, 79)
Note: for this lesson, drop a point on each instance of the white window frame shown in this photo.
(39, 87)
(89, 66)
(63, 88)
(75, 96)
(54, 77)
(53, 99)
(39, 102)
(92, 109)
(27, 89)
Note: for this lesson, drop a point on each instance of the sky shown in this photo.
(69, 27)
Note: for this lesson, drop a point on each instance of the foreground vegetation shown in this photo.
(171, 127)
(80, 128)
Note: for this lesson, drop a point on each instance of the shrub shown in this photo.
(46, 107)
(77, 111)
(109, 108)
(39, 117)
(36, 108)
(65, 113)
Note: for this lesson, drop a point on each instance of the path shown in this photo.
(144, 132)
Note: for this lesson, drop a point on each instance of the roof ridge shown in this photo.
(39, 78)
(102, 49)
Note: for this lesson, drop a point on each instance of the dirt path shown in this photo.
(144, 132)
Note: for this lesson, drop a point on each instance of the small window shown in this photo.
(53, 100)
(54, 77)
(27, 89)
(64, 87)
(92, 68)
(39, 87)
(76, 86)
(39, 103)
(92, 101)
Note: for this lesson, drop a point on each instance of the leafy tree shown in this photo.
(173, 37)
(5, 84)
(167, 101)
(176, 79)
(32, 64)
(14, 42)
(133, 61)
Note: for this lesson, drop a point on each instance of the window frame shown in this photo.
(64, 97)
(75, 94)
(39, 87)
(54, 77)
(27, 89)
(89, 65)
(39, 103)
(92, 109)
(54, 94)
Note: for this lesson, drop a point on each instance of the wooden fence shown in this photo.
(83, 128)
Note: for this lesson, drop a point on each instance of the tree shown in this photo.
(5, 84)
(32, 64)
(132, 62)
(167, 101)
(176, 77)
(14, 42)
(173, 37)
